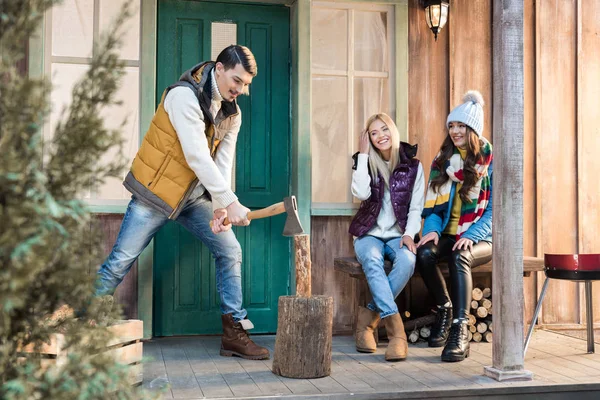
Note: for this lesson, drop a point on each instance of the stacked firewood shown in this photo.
(419, 328)
(480, 319)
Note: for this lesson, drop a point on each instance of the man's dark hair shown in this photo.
(236, 54)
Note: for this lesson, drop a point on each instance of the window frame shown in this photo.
(397, 75)
(94, 204)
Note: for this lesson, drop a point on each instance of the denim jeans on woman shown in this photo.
(140, 224)
(371, 252)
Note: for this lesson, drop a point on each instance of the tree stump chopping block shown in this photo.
(303, 341)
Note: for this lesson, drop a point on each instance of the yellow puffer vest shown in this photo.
(160, 175)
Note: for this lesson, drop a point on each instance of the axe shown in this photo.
(288, 205)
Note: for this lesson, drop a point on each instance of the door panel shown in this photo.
(186, 300)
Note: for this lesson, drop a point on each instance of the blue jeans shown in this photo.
(370, 252)
(140, 224)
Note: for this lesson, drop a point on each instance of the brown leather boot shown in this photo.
(365, 327)
(398, 345)
(235, 341)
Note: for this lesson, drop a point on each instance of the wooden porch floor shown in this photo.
(191, 368)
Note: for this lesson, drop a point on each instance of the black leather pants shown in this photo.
(460, 263)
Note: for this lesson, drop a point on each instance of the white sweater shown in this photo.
(181, 104)
(387, 225)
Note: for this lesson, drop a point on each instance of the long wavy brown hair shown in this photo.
(474, 145)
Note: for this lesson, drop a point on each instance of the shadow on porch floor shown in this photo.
(193, 369)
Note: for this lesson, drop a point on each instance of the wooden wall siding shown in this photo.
(588, 132)
(471, 54)
(127, 292)
(556, 29)
(330, 239)
(428, 95)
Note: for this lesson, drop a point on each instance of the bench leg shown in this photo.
(589, 317)
(538, 307)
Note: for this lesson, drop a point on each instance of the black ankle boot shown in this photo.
(457, 348)
(441, 327)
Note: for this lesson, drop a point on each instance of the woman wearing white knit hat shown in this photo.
(458, 223)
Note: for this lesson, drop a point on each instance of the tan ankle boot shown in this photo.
(398, 346)
(365, 327)
(235, 341)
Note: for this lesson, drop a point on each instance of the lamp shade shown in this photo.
(436, 15)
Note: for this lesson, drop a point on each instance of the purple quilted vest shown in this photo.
(402, 181)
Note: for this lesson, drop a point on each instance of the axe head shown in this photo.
(292, 222)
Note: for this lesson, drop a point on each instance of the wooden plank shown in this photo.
(588, 134)
(207, 374)
(351, 266)
(126, 331)
(557, 146)
(428, 85)
(155, 372)
(129, 354)
(238, 380)
(471, 54)
(179, 371)
(346, 356)
(329, 239)
(268, 383)
(135, 374)
(296, 386)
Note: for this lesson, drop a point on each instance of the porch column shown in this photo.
(507, 275)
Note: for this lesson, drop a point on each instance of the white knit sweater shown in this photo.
(387, 225)
(181, 104)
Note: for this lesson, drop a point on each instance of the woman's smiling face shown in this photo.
(381, 137)
(458, 134)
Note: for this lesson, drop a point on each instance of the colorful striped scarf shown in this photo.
(437, 201)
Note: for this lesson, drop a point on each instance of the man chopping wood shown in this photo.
(182, 172)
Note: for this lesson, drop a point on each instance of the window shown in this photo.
(352, 78)
(71, 29)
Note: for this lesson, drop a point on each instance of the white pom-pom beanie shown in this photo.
(470, 112)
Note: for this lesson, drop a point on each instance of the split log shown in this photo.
(477, 294)
(482, 312)
(487, 293)
(303, 265)
(413, 337)
(469, 336)
(481, 327)
(486, 303)
(477, 337)
(425, 332)
(472, 319)
(474, 305)
(489, 324)
(487, 337)
(472, 328)
(303, 340)
(419, 322)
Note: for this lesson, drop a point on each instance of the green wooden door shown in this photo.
(186, 301)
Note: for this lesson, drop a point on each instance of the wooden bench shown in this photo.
(351, 267)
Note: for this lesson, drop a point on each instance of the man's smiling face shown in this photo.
(232, 82)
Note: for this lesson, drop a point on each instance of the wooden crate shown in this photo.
(125, 347)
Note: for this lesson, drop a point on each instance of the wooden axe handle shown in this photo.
(275, 209)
